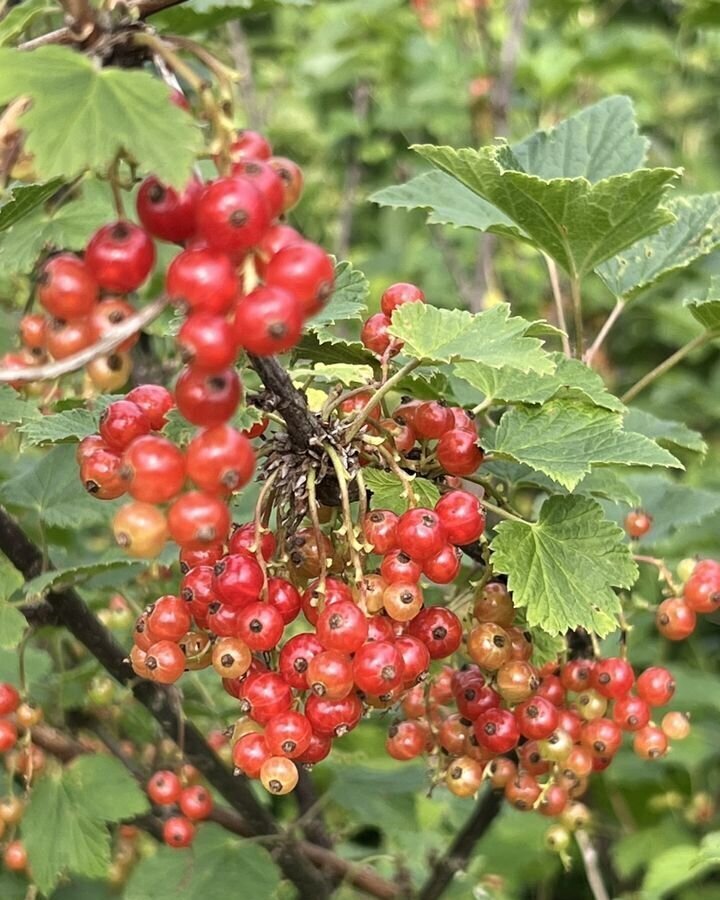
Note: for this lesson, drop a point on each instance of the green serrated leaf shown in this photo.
(707, 310)
(71, 425)
(493, 337)
(599, 141)
(671, 869)
(73, 575)
(66, 227)
(177, 429)
(323, 346)
(60, 836)
(25, 198)
(345, 374)
(571, 379)
(448, 203)
(19, 18)
(216, 860)
(388, 491)
(694, 233)
(72, 125)
(105, 789)
(565, 438)
(348, 301)
(14, 408)
(51, 488)
(562, 568)
(674, 435)
(577, 223)
(12, 626)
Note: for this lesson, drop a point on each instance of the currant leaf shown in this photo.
(707, 310)
(348, 301)
(388, 491)
(71, 125)
(673, 435)
(562, 569)
(14, 408)
(565, 438)
(23, 199)
(68, 426)
(576, 222)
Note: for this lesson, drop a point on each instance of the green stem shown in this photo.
(503, 513)
(577, 314)
(342, 476)
(379, 394)
(668, 364)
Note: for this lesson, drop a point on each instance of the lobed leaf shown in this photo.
(388, 491)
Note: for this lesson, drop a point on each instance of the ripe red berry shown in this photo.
(9, 699)
(169, 618)
(462, 517)
(420, 533)
(166, 213)
(260, 625)
(612, 677)
(196, 802)
(375, 336)
(537, 718)
(154, 400)
(674, 619)
(650, 742)
(178, 832)
(101, 476)
(249, 145)
(522, 791)
(306, 272)
(33, 332)
(266, 179)
(333, 718)
(66, 288)
(318, 749)
(207, 399)
(202, 280)
(197, 519)
(489, 646)
(232, 215)
(432, 420)
(265, 695)
(273, 241)
(294, 659)
(285, 598)
(249, 754)
(330, 674)
(458, 452)
(497, 730)
(107, 315)
(15, 857)
(243, 538)
(342, 626)
(397, 566)
(702, 592)
(602, 737)
(153, 469)
(206, 341)
(120, 256)
(288, 734)
(406, 740)
(378, 668)
(398, 295)
(439, 629)
(68, 338)
(637, 523)
(164, 788)
(220, 460)
(268, 321)
(444, 566)
(380, 529)
(576, 675)
(238, 579)
(631, 713)
(121, 423)
(656, 686)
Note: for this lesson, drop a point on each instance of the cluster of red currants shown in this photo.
(516, 723)
(676, 617)
(245, 280)
(185, 806)
(15, 716)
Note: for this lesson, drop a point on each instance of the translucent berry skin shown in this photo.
(288, 734)
(458, 452)
(197, 519)
(675, 620)
(169, 618)
(121, 423)
(398, 295)
(602, 737)
(330, 674)
(397, 566)
(279, 775)
(265, 695)
(8, 735)
(164, 788)
(68, 338)
(202, 280)
(166, 662)
(153, 468)
(249, 754)
(166, 213)
(268, 321)
(238, 579)
(537, 718)
(260, 626)
(243, 539)
(444, 566)
(207, 342)
(378, 667)
(140, 529)
(100, 475)
(576, 675)
(306, 271)
(342, 626)
(462, 516)
(178, 832)
(406, 740)
(638, 523)
(196, 802)
(207, 399)
(295, 657)
(266, 180)
(612, 677)
(250, 144)
(107, 315)
(333, 718)
(702, 592)
(120, 256)
(497, 730)
(374, 334)
(439, 629)
(272, 242)
(420, 533)
(220, 460)
(318, 750)
(291, 178)
(66, 287)
(432, 420)
(676, 725)
(415, 655)
(656, 686)
(380, 529)
(154, 400)
(631, 713)
(232, 215)
(650, 742)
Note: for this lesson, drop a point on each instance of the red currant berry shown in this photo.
(169, 618)
(494, 604)
(178, 832)
(650, 742)
(631, 713)
(497, 730)
(420, 533)
(165, 661)
(272, 242)
(291, 177)
(249, 145)
(164, 788)
(380, 529)
(602, 737)
(266, 180)
(432, 420)
(489, 646)
(378, 668)
(261, 626)
(342, 626)
(264, 696)
(284, 597)
(121, 423)
(415, 655)
(462, 517)
(207, 342)
(243, 538)
(576, 675)
(702, 593)
(9, 699)
(397, 566)
(306, 272)
(100, 475)
(220, 460)
(674, 619)
(612, 677)
(295, 657)
(333, 718)
(406, 740)
(153, 469)
(249, 754)
(536, 718)
(458, 452)
(656, 686)
(637, 523)
(202, 280)
(676, 725)
(207, 399)
(288, 734)
(318, 750)
(439, 629)
(120, 256)
(66, 288)
(330, 674)
(444, 566)
(375, 336)
(165, 213)
(33, 332)
(398, 295)
(522, 791)
(8, 735)
(154, 400)
(268, 321)
(197, 519)
(232, 215)
(238, 579)
(196, 803)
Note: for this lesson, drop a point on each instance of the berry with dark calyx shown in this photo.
(531, 760)
(294, 659)
(120, 256)
(464, 776)
(220, 460)
(406, 740)
(656, 686)
(166, 213)
(612, 677)
(33, 333)
(178, 832)
(637, 523)
(333, 718)
(342, 626)
(306, 272)
(164, 788)
(330, 674)
(169, 619)
(674, 619)
(197, 519)
(398, 566)
(602, 737)
(631, 713)
(402, 602)
(537, 718)
(489, 646)
(432, 420)
(231, 215)
(249, 144)
(266, 179)
(288, 734)
(165, 662)
(110, 372)
(155, 401)
(196, 802)
(398, 295)
(415, 655)
(107, 315)
(231, 657)
(206, 341)
(260, 626)
(462, 517)
(497, 730)
(291, 178)
(378, 668)
(576, 675)
(380, 530)
(121, 423)
(202, 280)
(279, 775)
(207, 399)
(264, 696)
(238, 579)
(516, 680)
(249, 754)
(439, 629)
(702, 592)
(268, 321)
(522, 791)
(650, 742)
(458, 452)
(494, 604)
(141, 529)
(66, 287)
(420, 533)
(68, 338)
(153, 469)
(101, 476)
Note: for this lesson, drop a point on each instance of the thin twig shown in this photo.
(559, 303)
(114, 337)
(605, 330)
(379, 394)
(577, 315)
(668, 364)
(591, 863)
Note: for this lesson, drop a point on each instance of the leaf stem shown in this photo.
(559, 303)
(503, 513)
(668, 364)
(379, 394)
(342, 476)
(577, 314)
(315, 519)
(605, 330)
